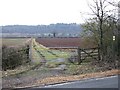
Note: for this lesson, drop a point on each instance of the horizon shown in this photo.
(40, 24)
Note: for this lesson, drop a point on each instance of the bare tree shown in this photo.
(116, 4)
(102, 14)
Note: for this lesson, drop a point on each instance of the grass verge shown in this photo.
(60, 79)
(19, 70)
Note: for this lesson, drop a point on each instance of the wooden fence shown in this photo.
(88, 53)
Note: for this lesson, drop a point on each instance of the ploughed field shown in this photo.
(59, 42)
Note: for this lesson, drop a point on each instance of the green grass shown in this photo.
(50, 54)
(61, 54)
(35, 56)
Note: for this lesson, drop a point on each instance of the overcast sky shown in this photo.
(37, 12)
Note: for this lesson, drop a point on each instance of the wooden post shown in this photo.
(98, 53)
(30, 50)
(79, 56)
(27, 51)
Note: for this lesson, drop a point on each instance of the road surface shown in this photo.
(105, 82)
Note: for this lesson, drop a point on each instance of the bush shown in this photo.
(13, 57)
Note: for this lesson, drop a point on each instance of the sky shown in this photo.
(42, 12)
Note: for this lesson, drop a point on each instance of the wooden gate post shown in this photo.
(98, 53)
(30, 49)
(79, 56)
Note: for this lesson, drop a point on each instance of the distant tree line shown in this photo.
(72, 28)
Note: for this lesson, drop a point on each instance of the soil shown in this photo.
(60, 42)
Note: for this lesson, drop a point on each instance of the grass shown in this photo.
(14, 41)
(35, 56)
(24, 67)
(83, 68)
(61, 54)
(50, 54)
(18, 70)
(40, 75)
(39, 52)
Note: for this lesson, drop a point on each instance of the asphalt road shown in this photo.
(106, 82)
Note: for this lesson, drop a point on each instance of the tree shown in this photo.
(118, 28)
(117, 5)
(101, 24)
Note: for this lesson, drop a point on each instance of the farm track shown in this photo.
(30, 76)
(43, 60)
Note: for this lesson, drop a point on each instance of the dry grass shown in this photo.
(14, 42)
(63, 79)
(59, 79)
(18, 70)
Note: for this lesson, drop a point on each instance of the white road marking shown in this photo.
(92, 79)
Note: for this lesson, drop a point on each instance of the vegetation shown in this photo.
(14, 52)
(14, 57)
(48, 63)
(30, 74)
(49, 54)
(100, 29)
(52, 30)
(14, 41)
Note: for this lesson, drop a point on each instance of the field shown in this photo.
(46, 63)
(14, 41)
(60, 42)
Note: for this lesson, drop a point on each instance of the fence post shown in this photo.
(30, 49)
(27, 51)
(79, 56)
(98, 53)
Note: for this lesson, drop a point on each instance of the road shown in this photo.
(105, 82)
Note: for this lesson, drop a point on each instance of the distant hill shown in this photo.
(59, 28)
